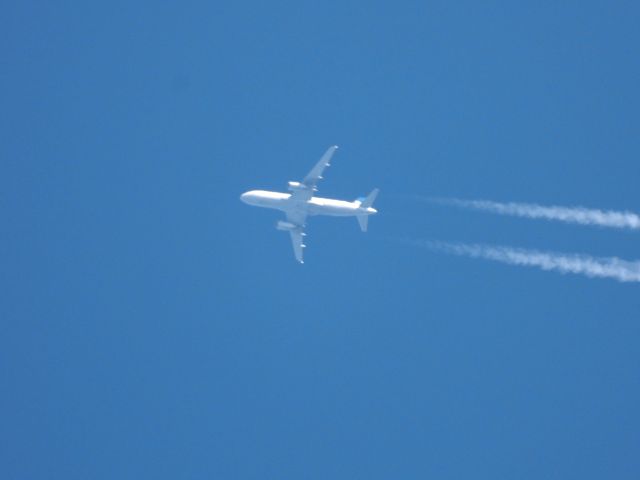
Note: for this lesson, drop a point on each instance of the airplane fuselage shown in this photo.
(301, 203)
(314, 206)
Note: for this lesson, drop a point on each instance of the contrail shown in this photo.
(610, 267)
(580, 215)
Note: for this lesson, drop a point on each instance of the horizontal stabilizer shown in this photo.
(363, 220)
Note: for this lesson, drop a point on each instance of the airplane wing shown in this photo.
(309, 183)
(315, 175)
(296, 241)
(297, 218)
(304, 191)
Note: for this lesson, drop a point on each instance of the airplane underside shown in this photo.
(301, 203)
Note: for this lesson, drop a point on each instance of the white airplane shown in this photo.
(301, 203)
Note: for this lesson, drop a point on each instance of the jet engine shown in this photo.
(293, 186)
(287, 226)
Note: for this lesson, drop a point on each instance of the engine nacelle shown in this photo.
(293, 186)
(286, 226)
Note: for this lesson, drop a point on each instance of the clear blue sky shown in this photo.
(153, 326)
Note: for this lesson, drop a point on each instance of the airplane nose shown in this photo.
(244, 197)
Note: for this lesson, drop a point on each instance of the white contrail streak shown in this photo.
(610, 267)
(580, 215)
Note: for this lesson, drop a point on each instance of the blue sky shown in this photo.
(153, 326)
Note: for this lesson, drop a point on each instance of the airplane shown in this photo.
(301, 203)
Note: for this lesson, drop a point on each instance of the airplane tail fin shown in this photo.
(366, 203)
